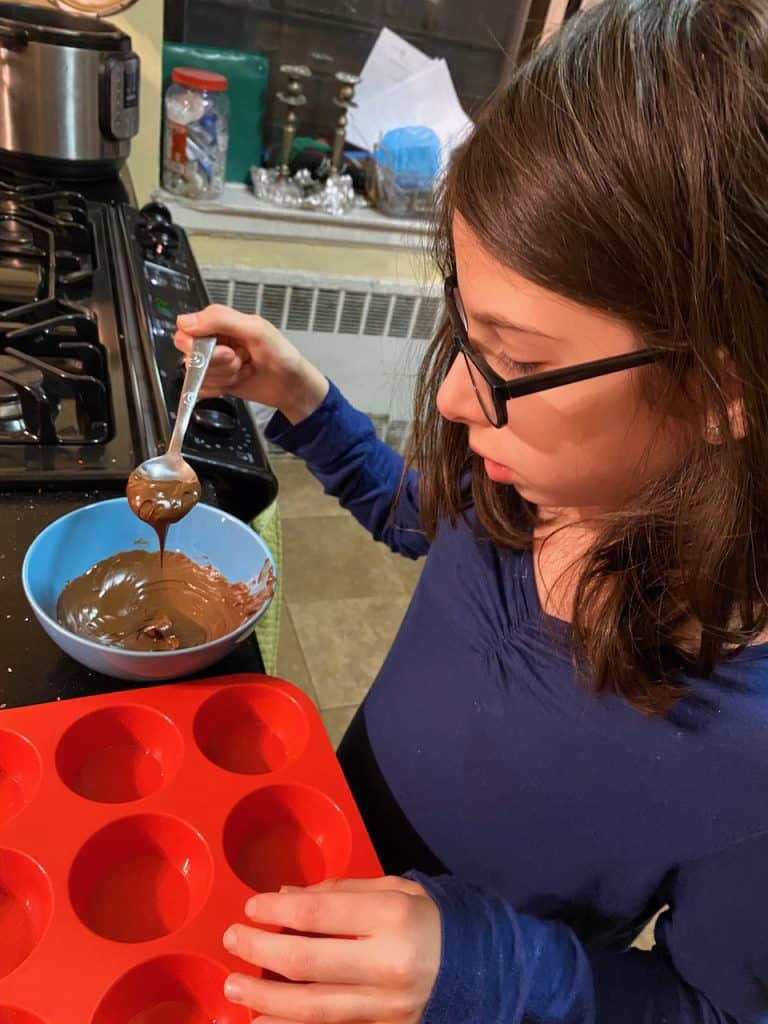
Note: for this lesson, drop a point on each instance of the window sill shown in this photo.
(238, 214)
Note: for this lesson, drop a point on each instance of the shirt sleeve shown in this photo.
(340, 447)
(709, 966)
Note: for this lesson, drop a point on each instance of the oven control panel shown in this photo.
(221, 440)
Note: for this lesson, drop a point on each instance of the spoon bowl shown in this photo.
(167, 467)
(162, 490)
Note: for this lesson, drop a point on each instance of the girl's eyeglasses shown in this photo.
(493, 392)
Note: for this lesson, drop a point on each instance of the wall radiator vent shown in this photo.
(366, 335)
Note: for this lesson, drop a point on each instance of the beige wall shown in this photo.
(342, 260)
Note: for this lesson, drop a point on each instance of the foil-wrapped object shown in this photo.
(301, 191)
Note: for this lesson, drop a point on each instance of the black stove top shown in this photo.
(107, 189)
(89, 378)
(53, 368)
(66, 412)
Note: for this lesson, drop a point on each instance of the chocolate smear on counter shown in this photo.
(130, 600)
(160, 503)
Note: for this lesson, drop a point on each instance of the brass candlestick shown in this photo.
(334, 196)
(344, 100)
(293, 97)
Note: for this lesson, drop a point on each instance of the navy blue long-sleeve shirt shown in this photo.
(565, 820)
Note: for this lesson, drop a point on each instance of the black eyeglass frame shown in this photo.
(502, 391)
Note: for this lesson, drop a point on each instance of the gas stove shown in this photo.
(90, 288)
(89, 378)
(68, 405)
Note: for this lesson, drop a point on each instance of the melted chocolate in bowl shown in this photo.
(132, 600)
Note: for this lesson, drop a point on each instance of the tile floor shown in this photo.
(344, 596)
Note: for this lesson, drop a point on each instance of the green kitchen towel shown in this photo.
(267, 525)
(247, 74)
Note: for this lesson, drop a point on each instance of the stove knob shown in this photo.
(157, 213)
(165, 239)
(216, 415)
(144, 235)
(158, 240)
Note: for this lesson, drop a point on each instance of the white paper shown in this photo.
(425, 98)
(405, 88)
(391, 60)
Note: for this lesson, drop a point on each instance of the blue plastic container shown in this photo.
(71, 545)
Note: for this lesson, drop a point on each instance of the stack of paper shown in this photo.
(401, 87)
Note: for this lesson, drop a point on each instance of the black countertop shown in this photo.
(32, 668)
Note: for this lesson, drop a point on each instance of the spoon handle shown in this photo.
(197, 367)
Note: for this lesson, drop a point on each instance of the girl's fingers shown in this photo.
(220, 383)
(225, 357)
(285, 1002)
(388, 883)
(277, 1020)
(302, 958)
(220, 320)
(261, 1019)
(223, 354)
(335, 911)
(223, 378)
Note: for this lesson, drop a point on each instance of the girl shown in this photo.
(569, 733)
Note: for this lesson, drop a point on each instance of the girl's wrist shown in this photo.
(306, 393)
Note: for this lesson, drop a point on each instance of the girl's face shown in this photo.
(583, 446)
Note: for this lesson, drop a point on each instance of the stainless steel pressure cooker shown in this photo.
(69, 89)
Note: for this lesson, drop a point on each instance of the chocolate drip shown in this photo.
(161, 502)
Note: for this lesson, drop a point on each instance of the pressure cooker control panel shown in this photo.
(119, 99)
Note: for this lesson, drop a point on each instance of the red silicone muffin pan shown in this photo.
(133, 828)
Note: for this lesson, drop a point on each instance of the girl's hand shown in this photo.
(253, 361)
(370, 952)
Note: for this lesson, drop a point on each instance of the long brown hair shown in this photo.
(626, 167)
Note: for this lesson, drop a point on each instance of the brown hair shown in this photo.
(626, 168)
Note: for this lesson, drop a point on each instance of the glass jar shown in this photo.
(196, 133)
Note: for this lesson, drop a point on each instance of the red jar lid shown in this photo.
(197, 79)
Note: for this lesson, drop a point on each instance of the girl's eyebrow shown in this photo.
(492, 320)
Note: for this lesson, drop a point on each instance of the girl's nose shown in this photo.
(456, 399)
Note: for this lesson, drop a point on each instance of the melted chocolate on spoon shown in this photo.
(161, 502)
(129, 600)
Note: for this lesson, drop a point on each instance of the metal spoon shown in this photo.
(162, 490)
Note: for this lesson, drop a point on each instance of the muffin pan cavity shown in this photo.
(119, 754)
(19, 774)
(181, 989)
(140, 878)
(26, 903)
(286, 835)
(251, 729)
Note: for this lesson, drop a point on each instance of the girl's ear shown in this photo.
(732, 390)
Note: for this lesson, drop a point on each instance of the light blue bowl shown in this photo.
(71, 545)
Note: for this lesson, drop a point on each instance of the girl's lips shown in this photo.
(497, 472)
